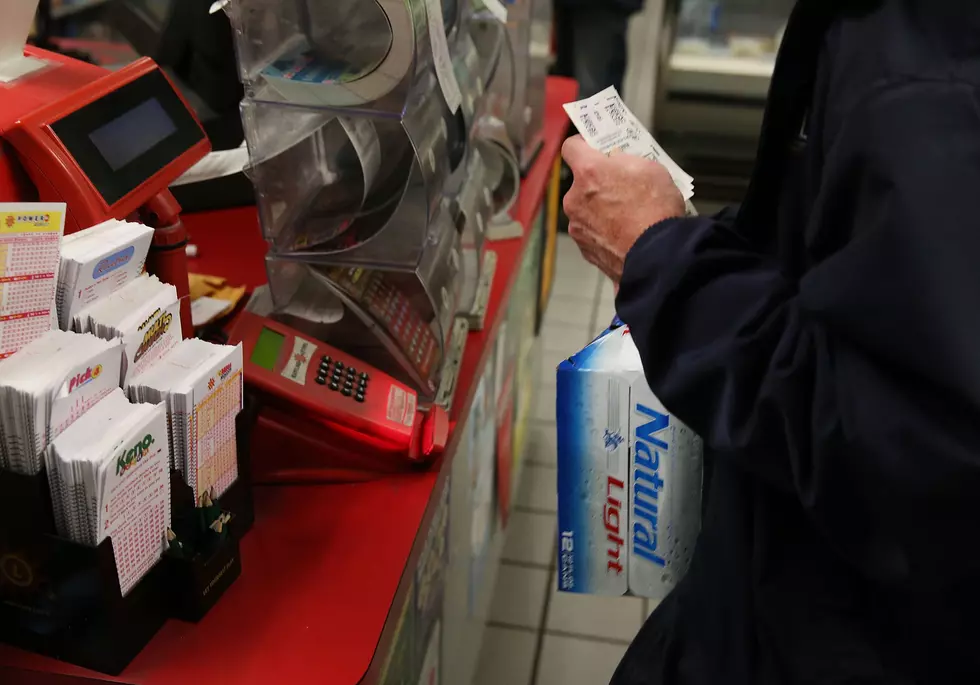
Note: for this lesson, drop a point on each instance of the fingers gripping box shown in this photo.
(629, 477)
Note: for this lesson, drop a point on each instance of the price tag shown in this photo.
(440, 55)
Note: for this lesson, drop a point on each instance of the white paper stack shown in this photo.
(48, 385)
(201, 385)
(608, 125)
(109, 474)
(97, 262)
(144, 314)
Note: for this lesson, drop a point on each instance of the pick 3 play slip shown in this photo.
(629, 476)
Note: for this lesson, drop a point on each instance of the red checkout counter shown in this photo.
(328, 570)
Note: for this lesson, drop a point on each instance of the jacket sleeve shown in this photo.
(855, 388)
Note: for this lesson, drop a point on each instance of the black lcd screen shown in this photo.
(126, 137)
(133, 133)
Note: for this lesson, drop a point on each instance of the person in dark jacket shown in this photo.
(591, 41)
(824, 340)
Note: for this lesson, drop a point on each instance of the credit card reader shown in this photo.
(364, 418)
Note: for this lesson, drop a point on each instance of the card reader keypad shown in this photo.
(346, 380)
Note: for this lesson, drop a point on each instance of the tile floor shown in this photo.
(536, 635)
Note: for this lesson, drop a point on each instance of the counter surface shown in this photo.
(322, 565)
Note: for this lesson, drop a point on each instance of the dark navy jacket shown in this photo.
(825, 342)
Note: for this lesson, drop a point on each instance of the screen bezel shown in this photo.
(73, 131)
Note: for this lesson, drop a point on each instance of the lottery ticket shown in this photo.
(608, 125)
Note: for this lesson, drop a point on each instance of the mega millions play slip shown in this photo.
(97, 262)
(629, 477)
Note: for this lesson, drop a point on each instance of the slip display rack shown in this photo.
(62, 599)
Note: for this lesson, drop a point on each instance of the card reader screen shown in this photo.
(267, 349)
(133, 133)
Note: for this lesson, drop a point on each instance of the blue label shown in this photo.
(648, 483)
(113, 262)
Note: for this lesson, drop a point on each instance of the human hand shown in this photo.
(613, 201)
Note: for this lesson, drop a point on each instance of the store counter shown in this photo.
(328, 569)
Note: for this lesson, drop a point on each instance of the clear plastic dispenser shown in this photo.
(326, 182)
(517, 93)
(474, 207)
(372, 193)
(364, 55)
(397, 319)
(503, 177)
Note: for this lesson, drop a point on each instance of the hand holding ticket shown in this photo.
(608, 125)
(614, 200)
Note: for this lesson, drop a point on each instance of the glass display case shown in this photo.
(731, 28)
(713, 85)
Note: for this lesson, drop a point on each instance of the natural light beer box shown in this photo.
(629, 477)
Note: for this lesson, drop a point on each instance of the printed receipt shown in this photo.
(608, 125)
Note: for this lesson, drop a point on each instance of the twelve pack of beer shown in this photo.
(629, 477)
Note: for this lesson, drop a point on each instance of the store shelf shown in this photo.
(323, 565)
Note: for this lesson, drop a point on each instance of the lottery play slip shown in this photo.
(629, 477)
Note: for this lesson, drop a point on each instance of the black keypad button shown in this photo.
(339, 365)
(348, 386)
(359, 397)
(334, 386)
(346, 392)
(325, 359)
(364, 375)
(321, 380)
